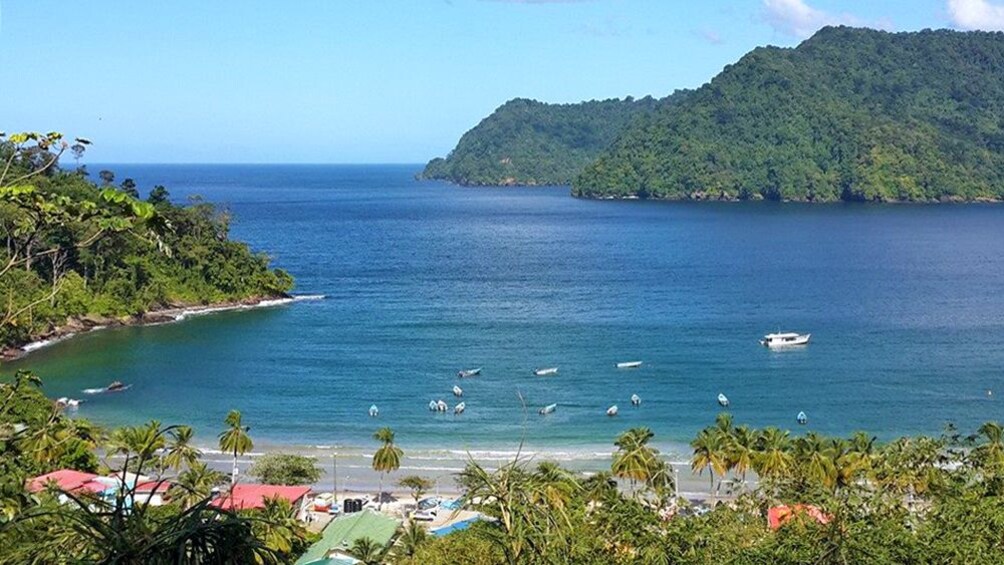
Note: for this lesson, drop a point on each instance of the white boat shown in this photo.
(635, 400)
(374, 412)
(459, 408)
(432, 406)
(723, 400)
(469, 373)
(442, 406)
(612, 411)
(548, 409)
(629, 365)
(457, 391)
(545, 372)
(784, 339)
(802, 419)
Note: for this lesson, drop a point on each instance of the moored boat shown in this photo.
(441, 406)
(784, 340)
(115, 386)
(629, 365)
(548, 409)
(612, 411)
(635, 400)
(802, 419)
(457, 391)
(723, 400)
(459, 408)
(545, 372)
(374, 411)
(432, 406)
(469, 373)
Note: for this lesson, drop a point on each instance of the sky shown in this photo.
(375, 81)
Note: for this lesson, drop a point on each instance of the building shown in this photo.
(339, 535)
(249, 496)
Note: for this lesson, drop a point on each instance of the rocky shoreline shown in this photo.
(168, 313)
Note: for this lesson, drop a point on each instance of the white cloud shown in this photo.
(976, 14)
(798, 19)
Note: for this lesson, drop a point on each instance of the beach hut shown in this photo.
(339, 535)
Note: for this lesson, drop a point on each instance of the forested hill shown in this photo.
(525, 142)
(850, 114)
(78, 254)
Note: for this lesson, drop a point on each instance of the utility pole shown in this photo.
(334, 476)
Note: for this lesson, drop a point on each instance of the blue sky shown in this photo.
(375, 81)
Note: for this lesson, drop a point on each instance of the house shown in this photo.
(245, 497)
(779, 515)
(67, 480)
(339, 535)
(147, 490)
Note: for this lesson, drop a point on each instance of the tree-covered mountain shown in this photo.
(525, 142)
(82, 254)
(850, 114)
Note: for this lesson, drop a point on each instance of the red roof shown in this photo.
(67, 480)
(253, 496)
(779, 515)
(156, 487)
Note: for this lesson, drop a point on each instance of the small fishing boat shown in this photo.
(459, 408)
(442, 406)
(457, 391)
(629, 365)
(784, 340)
(635, 400)
(612, 411)
(374, 411)
(115, 386)
(723, 400)
(469, 373)
(802, 419)
(545, 372)
(432, 406)
(548, 409)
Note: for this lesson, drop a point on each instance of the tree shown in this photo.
(286, 469)
(387, 458)
(195, 484)
(107, 177)
(634, 459)
(416, 484)
(235, 439)
(277, 527)
(709, 454)
(129, 187)
(180, 451)
(367, 551)
(412, 538)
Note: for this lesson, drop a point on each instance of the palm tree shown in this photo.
(709, 453)
(387, 458)
(180, 451)
(411, 539)
(276, 525)
(195, 484)
(553, 486)
(990, 454)
(773, 460)
(741, 447)
(366, 550)
(235, 439)
(634, 460)
(816, 458)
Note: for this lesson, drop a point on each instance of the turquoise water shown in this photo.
(424, 279)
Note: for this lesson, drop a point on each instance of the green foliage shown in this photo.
(418, 485)
(850, 114)
(76, 252)
(286, 469)
(525, 142)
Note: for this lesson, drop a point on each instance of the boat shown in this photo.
(469, 373)
(612, 411)
(433, 406)
(441, 406)
(784, 339)
(457, 391)
(115, 386)
(629, 365)
(723, 400)
(635, 400)
(802, 419)
(545, 372)
(548, 409)
(459, 408)
(374, 411)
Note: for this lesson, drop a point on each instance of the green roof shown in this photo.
(343, 531)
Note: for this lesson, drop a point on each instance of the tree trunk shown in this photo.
(233, 473)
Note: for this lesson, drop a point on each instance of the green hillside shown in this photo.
(850, 114)
(525, 142)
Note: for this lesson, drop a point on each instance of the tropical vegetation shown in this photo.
(78, 254)
(285, 469)
(850, 114)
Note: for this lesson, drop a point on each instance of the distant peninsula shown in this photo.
(848, 115)
(528, 143)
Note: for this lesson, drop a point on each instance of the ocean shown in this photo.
(423, 279)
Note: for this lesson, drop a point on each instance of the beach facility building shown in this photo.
(249, 496)
(339, 535)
